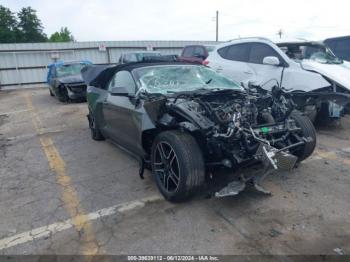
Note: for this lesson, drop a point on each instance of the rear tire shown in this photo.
(51, 94)
(178, 165)
(95, 131)
(308, 131)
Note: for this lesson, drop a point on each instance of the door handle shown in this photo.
(248, 72)
(219, 69)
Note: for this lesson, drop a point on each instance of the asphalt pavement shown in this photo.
(63, 193)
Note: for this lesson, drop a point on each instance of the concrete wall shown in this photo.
(25, 65)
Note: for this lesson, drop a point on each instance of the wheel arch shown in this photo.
(148, 136)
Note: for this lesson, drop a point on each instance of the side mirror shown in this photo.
(271, 60)
(119, 91)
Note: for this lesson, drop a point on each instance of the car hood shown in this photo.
(339, 73)
(71, 79)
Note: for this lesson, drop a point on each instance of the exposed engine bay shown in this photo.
(235, 123)
(236, 128)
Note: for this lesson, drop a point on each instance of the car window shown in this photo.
(69, 69)
(341, 48)
(259, 51)
(130, 58)
(123, 79)
(237, 52)
(199, 51)
(188, 51)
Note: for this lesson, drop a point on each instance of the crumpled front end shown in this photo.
(76, 90)
(238, 129)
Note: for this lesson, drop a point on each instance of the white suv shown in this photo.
(259, 60)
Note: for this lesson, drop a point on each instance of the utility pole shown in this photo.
(280, 33)
(217, 26)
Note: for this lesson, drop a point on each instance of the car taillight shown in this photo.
(205, 62)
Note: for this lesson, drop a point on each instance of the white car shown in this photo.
(262, 62)
(316, 57)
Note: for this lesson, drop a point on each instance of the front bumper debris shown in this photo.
(271, 159)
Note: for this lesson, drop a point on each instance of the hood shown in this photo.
(71, 79)
(339, 73)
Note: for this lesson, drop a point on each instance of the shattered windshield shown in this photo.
(180, 78)
(69, 69)
(315, 52)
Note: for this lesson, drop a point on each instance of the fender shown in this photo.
(187, 111)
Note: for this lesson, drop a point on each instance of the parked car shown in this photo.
(316, 57)
(65, 80)
(340, 46)
(137, 56)
(259, 60)
(195, 53)
(179, 119)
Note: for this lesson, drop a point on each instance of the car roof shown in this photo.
(299, 43)
(337, 38)
(244, 40)
(134, 65)
(61, 63)
(142, 52)
(103, 75)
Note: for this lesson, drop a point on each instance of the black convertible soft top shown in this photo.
(99, 75)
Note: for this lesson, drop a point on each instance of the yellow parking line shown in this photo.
(69, 194)
(332, 156)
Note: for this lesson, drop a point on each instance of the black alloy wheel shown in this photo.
(166, 166)
(177, 165)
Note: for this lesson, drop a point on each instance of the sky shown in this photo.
(104, 20)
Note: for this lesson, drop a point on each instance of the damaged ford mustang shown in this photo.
(181, 119)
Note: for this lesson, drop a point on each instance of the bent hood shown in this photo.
(71, 79)
(339, 73)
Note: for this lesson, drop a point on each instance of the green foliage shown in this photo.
(63, 36)
(30, 27)
(8, 26)
(26, 27)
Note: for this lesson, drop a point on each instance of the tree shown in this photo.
(8, 26)
(63, 36)
(30, 27)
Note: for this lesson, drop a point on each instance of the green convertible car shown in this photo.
(182, 119)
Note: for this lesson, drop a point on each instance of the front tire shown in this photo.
(95, 131)
(308, 131)
(178, 165)
(51, 94)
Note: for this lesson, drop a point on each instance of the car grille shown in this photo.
(77, 88)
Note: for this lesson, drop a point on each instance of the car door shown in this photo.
(233, 62)
(122, 122)
(264, 74)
